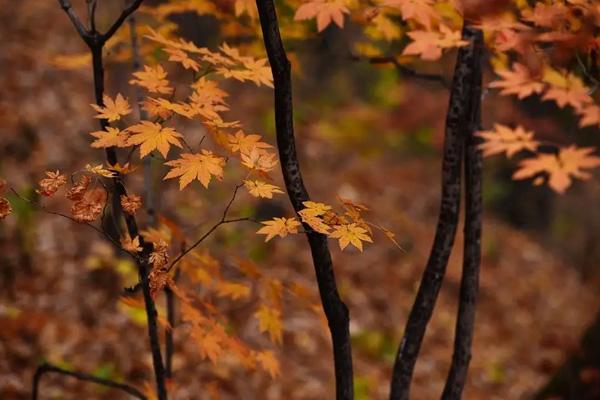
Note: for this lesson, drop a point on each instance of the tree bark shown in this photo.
(335, 310)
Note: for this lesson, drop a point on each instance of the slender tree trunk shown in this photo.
(335, 310)
(457, 127)
(469, 286)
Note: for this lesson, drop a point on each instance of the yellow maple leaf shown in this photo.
(350, 234)
(278, 227)
(113, 109)
(324, 11)
(181, 57)
(269, 363)
(315, 208)
(232, 290)
(100, 170)
(504, 139)
(560, 168)
(202, 166)
(154, 79)
(269, 320)
(261, 189)
(153, 136)
(111, 137)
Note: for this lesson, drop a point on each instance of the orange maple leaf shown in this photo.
(504, 139)
(518, 81)
(111, 137)
(201, 166)
(261, 189)
(324, 11)
(278, 227)
(152, 136)
(430, 44)
(589, 115)
(269, 363)
(246, 143)
(566, 89)
(154, 79)
(350, 234)
(113, 109)
(420, 11)
(233, 290)
(560, 168)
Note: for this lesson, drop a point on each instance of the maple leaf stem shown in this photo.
(46, 368)
(465, 94)
(335, 310)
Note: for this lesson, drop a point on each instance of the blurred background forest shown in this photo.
(364, 132)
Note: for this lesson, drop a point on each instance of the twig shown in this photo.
(469, 285)
(47, 368)
(335, 310)
(457, 123)
(403, 70)
(95, 42)
(222, 221)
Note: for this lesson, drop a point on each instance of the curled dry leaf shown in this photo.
(131, 203)
(51, 184)
(89, 208)
(5, 208)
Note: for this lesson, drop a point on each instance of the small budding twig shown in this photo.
(82, 376)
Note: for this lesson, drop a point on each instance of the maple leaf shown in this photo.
(233, 290)
(155, 109)
(160, 254)
(261, 189)
(560, 168)
(246, 6)
(429, 44)
(51, 184)
(259, 160)
(420, 11)
(269, 320)
(269, 363)
(566, 89)
(113, 109)
(202, 166)
(129, 244)
(99, 170)
(89, 208)
(210, 342)
(504, 139)
(78, 190)
(111, 137)
(131, 203)
(246, 143)
(278, 227)
(350, 234)
(312, 214)
(589, 115)
(181, 57)
(153, 136)
(154, 79)
(5, 208)
(324, 11)
(518, 81)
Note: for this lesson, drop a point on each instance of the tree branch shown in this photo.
(403, 70)
(47, 368)
(469, 286)
(117, 24)
(335, 310)
(68, 8)
(457, 125)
